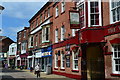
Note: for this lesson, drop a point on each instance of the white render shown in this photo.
(14, 51)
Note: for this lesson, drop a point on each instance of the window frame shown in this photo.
(117, 58)
(63, 6)
(99, 13)
(73, 54)
(56, 35)
(62, 33)
(62, 61)
(56, 60)
(111, 12)
(56, 11)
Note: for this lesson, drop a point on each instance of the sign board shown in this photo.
(74, 20)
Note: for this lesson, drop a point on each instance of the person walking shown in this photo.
(37, 70)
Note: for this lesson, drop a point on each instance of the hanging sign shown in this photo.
(74, 20)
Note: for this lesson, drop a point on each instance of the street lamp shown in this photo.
(1, 9)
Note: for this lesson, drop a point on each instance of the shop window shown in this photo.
(56, 60)
(63, 6)
(62, 33)
(95, 13)
(62, 61)
(115, 10)
(67, 60)
(116, 59)
(56, 35)
(75, 60)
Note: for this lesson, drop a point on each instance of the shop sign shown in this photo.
(113, 29)
(46, 53)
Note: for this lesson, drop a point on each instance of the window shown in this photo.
(62, 33)
(36, 40)
(116, 59)
(48, 12)
(62, 61)
(63, 6)
(40, 38)
(45, 33)
(57, 11)
(41, 18)
(56, 35)
(12, 49)
(95, 13)
(24, 46)
(81, 10)
(56, 60)
(19, 35)
(75, 60)
(24, 33)
(73, 31)
(45, 14)
(115, 10)
(36, 22)
(31, 41)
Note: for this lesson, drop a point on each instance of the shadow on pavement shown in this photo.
(10, 70)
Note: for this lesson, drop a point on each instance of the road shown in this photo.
(8, 74)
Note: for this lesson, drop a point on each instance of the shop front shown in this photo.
(46, 57)
(11, 61)
(112, 51)
(23, 61)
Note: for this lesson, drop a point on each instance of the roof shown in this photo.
(2, 37)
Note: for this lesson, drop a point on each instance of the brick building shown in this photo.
(40, 39)
(22, 47)
(4, 47)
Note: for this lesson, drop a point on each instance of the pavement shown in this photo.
(44, 76)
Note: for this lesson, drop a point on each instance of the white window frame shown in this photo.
(56, 35)
(40, 18)
(111, 15)
(74, 61)
(56, 11)
(36, 40)
(56, 60)
(100, 16)
(82, 2)
(62, 33)
(113, 59)
(44, 34)
(73, 31)
(48, 12)
(62, 6)
(62, 61)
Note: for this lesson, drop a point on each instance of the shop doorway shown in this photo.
(93, 63)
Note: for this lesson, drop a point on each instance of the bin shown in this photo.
(48, 69)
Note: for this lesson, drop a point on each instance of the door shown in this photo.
(93, 63)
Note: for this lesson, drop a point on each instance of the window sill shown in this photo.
(56, 16)
(55, 68)
(62, 12)
(115, 75)
(45, 41)
(62, 69)
(75, 70)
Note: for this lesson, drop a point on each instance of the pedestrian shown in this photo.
(37, 70)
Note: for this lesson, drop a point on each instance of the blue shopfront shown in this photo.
(46, 57)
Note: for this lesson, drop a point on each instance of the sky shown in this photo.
(16, 15)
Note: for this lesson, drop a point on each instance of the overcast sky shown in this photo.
(16, 15)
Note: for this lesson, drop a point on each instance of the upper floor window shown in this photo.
(82, 15)
(45, 14)
(56, 11)
(45, 34)
(62, 33)
(94, 13)
(116, 59)
(24, 33)
(41, 18)
(115, 10)
(48, 12)
(56, 35)
(73, 31)
(36, 22)
(19, 35)
(36, 40)
(40, 38)
(23, 46)
(63, 6)
(31, 41)
(12, 49)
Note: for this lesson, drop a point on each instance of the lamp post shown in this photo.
(1, 9)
